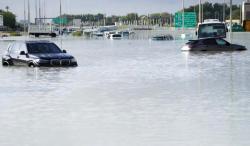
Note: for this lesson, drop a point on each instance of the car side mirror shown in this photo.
(64, 51)
(22, 53)
(196, 33)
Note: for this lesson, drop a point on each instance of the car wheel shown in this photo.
(6, 62)
(31, 65)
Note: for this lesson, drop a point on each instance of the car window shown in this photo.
(209, 42)
(15, 49)
(9, 48)
(36, 48)
(221, 42)
(23, 47)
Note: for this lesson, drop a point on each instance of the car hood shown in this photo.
(52, 56)
(238, 47)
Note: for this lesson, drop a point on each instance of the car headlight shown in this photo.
(40, 60)
(73, 60)
(185, 48)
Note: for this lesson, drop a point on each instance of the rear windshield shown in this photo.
(212, 30)
(209, 42)
(116, 35)
(36, 48)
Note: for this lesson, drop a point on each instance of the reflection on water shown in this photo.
(130, 92)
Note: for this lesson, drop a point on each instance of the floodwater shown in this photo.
(129, 93)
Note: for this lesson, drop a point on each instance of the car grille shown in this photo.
(65, 62)
(57, 62)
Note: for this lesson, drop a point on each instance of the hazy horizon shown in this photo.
(108, 7)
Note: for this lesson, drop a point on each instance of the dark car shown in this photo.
(211, 44)
(162, 37)
(37, 54)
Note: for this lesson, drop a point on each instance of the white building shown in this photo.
(77, 22)
(246, 10)
(1, 20)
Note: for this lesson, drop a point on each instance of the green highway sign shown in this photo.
(58, 21)
(189, 19)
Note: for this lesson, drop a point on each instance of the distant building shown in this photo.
(77, 22)
(246, 15)
(246, 10)
(1, 20)
(22, 22)
(234, 21)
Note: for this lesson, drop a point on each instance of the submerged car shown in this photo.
(211, 44)
(37, 54)
(162, 37)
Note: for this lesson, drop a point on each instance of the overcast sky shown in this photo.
(109, 7)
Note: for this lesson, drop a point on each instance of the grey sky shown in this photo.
(109, 7)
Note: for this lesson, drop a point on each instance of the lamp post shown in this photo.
(183, 15)
(231, 20)
(60, 19)
(28, 14)
(199, 11)
(24, 23)
(224, 9)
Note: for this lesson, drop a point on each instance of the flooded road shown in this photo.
(129, 93)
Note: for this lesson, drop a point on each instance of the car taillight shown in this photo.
(191, 45)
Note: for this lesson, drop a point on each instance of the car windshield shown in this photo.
(37, 48)
(221, 42)
(212, 30)
(209, 42)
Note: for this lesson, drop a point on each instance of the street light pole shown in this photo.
(199, 11)
(224, 9)
(202, 13)
(60, 23)
(183, 15)
(24, 23)
(231, 20)
(28, 15)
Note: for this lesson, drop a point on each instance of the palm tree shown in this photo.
(7, 8)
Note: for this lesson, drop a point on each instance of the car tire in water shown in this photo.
(32, 65)
(6, 62)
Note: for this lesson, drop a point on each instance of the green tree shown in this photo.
(215, 11)
(9, 19)
(132, 16)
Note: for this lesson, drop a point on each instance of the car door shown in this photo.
(223, 45)
(14, 53)
(6, 55)
(23, 58)
(209, 45)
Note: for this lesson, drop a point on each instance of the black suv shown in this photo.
(36, 54)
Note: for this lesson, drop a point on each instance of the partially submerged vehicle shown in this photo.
(108, 34)
(211, 44)
(37, 54)
(163, 37)
(115, 36)
(211, 28)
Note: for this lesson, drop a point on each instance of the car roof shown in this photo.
(202, 39)
(33, 41)
(203, 23)
(37, 41)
